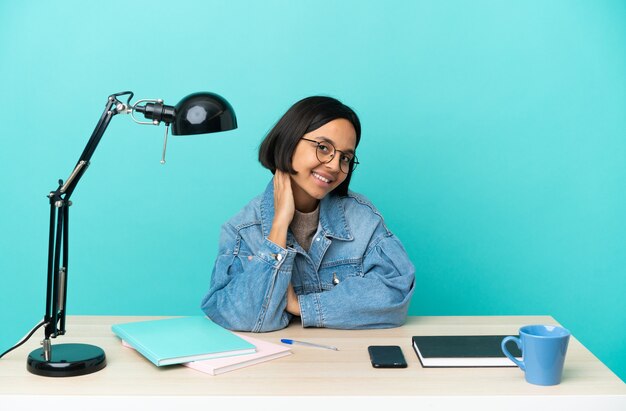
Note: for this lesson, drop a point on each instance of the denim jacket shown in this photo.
(356, 274)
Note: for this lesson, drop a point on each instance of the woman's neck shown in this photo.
(303, 201)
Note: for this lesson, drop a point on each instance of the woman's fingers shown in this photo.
(284, 206)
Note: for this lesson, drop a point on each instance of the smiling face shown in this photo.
(315, 180)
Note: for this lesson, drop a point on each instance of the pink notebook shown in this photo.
(265, 351)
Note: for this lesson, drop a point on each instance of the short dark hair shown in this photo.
(308, 114)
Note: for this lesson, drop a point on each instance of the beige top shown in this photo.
(304, 226)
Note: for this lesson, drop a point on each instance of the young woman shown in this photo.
(307, 246)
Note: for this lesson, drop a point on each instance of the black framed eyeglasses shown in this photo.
(325, 153)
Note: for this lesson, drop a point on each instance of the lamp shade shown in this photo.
(201, 113)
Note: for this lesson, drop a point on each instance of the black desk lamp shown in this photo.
(197, 113)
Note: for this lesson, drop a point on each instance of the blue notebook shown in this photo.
(179, 340)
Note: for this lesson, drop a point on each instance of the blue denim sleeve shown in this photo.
(379, 298)
(248, 286)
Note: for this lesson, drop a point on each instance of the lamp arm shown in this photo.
(56, 292)
(113, 107)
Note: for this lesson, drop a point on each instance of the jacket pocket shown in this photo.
(332, 274)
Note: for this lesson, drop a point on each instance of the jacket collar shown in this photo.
(332, 215)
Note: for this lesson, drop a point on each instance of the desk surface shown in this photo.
(311, 371)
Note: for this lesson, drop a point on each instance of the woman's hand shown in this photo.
(284, 208)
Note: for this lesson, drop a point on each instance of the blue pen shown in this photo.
(291, 342)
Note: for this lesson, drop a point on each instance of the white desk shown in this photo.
(311, 378)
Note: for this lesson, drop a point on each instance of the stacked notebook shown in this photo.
(196, 342)
(265, 351)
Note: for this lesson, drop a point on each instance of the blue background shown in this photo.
(493, 144)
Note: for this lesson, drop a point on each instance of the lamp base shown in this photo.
(67, 360)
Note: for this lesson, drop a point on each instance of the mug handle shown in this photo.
(508, 354)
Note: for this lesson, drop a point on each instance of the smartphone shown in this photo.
(386, 356)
